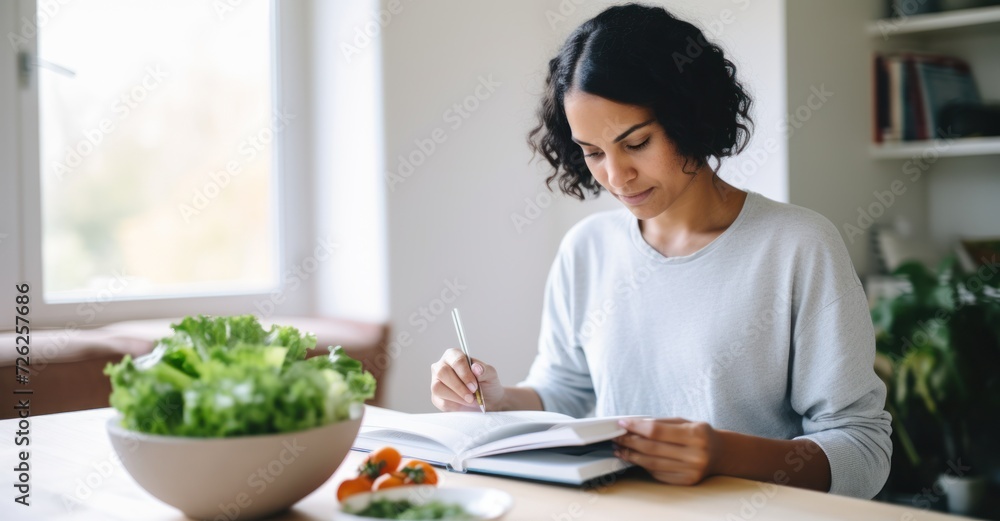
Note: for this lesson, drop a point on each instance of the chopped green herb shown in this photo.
(403, 509)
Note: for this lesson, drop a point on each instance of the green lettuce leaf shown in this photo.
(228, 376)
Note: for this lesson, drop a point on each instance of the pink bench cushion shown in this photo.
(67, 365)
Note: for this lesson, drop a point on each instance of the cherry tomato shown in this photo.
(353, 486)
(419, 472)
(379, 462)
(390, 480)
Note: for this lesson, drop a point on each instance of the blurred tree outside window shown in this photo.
(156, 133)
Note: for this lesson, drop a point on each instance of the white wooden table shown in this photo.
(75, 475)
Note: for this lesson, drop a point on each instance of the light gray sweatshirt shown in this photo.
(765, 331)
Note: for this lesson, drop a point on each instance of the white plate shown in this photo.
(481, 503)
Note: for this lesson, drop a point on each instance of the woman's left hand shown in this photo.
(673, 450)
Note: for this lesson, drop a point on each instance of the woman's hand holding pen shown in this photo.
(453, 384)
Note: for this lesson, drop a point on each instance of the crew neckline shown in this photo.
(636, 234)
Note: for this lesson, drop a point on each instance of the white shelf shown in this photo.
(970, 146)
(923, 23)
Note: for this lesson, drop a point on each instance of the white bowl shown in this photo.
(243, 477)
(481, 503)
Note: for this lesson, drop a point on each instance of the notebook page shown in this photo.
(461, 430)
(577, 432)
(379, 419)
(409, 445)
(476, 428)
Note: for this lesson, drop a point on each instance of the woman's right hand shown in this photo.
(453, 384)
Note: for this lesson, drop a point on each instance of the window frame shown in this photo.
(289, 171)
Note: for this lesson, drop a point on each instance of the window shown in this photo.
(155, 150)
(150, 136)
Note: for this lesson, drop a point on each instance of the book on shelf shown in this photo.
(537, 445)
(911, 88)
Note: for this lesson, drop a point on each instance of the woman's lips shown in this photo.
(635, 199)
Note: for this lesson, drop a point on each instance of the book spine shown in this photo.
(879, 107)
(915, 118)
(895, 109)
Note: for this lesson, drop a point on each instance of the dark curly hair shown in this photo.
(644, 56)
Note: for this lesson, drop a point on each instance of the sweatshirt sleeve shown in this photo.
(841, 399)
(560, 374)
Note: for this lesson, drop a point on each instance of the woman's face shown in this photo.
(628, 152)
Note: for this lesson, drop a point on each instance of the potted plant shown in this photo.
(938, 350)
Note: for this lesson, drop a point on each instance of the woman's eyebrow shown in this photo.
(623, 135)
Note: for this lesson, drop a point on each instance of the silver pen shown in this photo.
(468, 358)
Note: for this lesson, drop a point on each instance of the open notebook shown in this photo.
(538, 445)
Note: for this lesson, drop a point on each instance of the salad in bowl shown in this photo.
(227, 418)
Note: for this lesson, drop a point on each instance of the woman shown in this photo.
(736, 320)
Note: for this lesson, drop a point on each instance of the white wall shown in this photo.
(346, 138)
(750, 33)
(451, 218)
(830, 170)
(964, 191)
(10, 230)
(964, 199)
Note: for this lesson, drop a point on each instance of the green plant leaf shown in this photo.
(902, 393)
(947, 268)
(923, 367)
(920, 278)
